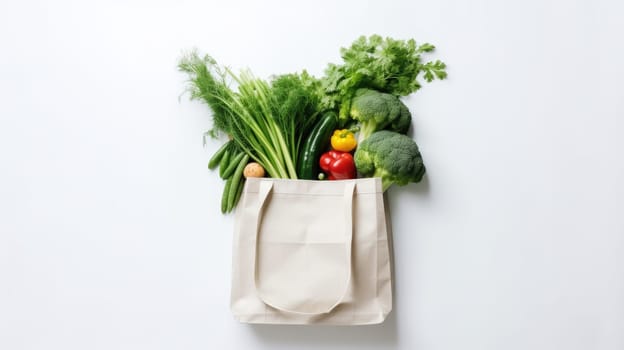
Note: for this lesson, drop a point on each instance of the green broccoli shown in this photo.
(393, 157)
(376, 110)
(402, 123)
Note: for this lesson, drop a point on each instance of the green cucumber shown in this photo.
(234, 160)
(241, 185)
(315, 145)
(225, 162)
(236, 180)
(216, 158)
(225, 195)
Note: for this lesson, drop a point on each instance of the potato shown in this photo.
(253, 169)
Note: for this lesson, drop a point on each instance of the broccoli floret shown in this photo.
(376, 111)
(402, 123)
(393, 157)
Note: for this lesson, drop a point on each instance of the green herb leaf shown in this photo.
(382, 64)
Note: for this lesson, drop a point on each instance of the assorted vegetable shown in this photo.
(350, 122)
(267, 120)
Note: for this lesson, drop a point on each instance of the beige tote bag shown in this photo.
(311, 252)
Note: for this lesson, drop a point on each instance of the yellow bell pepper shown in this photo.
(343, 140)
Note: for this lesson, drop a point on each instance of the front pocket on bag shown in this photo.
(302, 257)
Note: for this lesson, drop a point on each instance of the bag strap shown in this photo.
(265, 188)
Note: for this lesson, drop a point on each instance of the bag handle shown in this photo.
(265, 188)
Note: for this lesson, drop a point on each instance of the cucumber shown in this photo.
(234, 160)
(225, 195)
(236, 181)
(315, 145)
(216, 158)
(225, 162)
(241, 185)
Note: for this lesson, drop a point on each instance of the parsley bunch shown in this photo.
(386, 65)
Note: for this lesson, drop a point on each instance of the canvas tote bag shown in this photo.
(311, 252)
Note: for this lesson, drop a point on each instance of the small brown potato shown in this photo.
(253, 169)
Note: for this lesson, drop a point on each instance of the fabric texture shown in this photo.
(311, 252)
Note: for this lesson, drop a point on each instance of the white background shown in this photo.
(111, 235)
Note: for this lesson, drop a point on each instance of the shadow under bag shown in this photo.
(311, 252)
